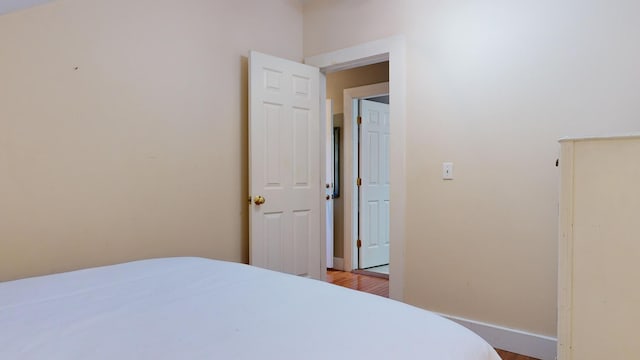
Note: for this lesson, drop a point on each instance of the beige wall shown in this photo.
(336, 83)
(365, 75)
(491, 86)
(140, 151)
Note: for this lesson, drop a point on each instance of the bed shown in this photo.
(194, 308)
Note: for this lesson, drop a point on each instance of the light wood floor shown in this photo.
(369, 284)
(380, 286)
(505, 355)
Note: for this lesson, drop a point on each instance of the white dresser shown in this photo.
(599, 254)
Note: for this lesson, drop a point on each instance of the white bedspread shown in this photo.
(192, 308)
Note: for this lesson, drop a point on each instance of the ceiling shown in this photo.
(7, 6)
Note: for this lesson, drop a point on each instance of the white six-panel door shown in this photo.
(374, 191)
(284, 167)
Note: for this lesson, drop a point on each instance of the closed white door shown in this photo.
(284, 166)
(374, 189)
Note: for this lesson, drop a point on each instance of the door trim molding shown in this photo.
(338, 263)
(394, 50)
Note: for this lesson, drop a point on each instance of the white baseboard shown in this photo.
(521, 342)
(338, 263)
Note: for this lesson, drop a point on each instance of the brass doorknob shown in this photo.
(259, 200)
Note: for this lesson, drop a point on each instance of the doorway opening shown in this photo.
(272, 224)
(359, 117)
(393, 50)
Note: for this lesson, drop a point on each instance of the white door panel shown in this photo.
(374, 191)
(329, 181)
(284, 165)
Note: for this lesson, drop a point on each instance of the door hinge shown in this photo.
(359, 121)
(359, 181)
(359, 243)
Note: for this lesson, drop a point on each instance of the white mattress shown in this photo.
(192, 308)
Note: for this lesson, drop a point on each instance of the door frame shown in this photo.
(351, 200)
(392, 49)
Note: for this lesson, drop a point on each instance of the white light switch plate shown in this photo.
(447, 171)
